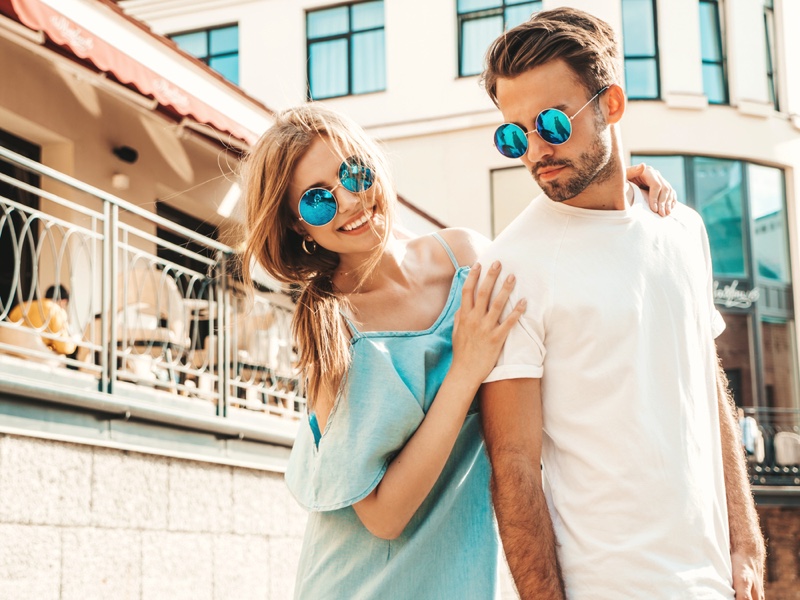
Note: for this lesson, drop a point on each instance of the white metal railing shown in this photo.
(150, 323)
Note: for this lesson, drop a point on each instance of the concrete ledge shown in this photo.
(687, 101)
(756, 109)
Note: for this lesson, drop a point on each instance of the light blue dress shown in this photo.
(449, 550)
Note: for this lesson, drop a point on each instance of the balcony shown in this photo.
(159, 327)
(771, 437)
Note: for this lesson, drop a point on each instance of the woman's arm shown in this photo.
(478, 337)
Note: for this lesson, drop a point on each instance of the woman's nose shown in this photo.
(345, 199)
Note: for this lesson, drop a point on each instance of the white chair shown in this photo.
(151, 323)
(787, 448)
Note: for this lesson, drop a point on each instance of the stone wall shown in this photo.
(84, 522)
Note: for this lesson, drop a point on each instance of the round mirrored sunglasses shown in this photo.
(551, 124)
(318, 206)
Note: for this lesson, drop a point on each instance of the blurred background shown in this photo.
(148, 403)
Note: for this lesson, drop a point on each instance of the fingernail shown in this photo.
(495, 265)
(523, 302)
(476, 266)
(510, 279)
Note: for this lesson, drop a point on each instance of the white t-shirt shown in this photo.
(620, 326)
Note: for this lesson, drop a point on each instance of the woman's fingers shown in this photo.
(513, 317)
(468, 291)
(501, 298)
(486, 287)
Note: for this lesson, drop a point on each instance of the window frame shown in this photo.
(483, 13)
(348, 37)
(722, 63)
(656, 57)
(771, 46)
(209, 56)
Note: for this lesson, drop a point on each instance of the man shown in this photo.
(611, 378)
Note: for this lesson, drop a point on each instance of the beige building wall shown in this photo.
(89, 523)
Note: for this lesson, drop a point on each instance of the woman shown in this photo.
(395, 338)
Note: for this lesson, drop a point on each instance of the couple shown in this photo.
(597, 362)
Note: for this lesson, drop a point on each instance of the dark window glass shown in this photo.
(780, 371)
(480, 22)
(715, 83)
(346, 50)
(640, 42)
(18, 267)
(217, 47)
(734, 347)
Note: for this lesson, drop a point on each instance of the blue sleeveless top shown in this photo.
(449, 549)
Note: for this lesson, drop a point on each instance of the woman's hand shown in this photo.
(478, 334)
(662, 196)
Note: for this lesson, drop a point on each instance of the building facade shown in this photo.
(167, 433)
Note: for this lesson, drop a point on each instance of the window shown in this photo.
(217, 47)
(715, 83)
(19, 265)
(480, 22)
(346, 50)
(718, 197)
(768, 212)
(769, 31)
(640, 41)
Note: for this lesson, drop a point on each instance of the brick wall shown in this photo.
(84, 522)
(781, 526)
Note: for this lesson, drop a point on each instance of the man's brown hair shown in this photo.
(587, 44)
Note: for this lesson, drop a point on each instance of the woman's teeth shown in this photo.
(356, 224)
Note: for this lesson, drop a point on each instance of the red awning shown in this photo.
(127, 70)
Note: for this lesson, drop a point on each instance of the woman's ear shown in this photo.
(297, 227)
(615, 103)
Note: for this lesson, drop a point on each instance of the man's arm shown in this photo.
(511, 411)
(747, 542)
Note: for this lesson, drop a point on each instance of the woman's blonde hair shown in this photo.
(272, 241)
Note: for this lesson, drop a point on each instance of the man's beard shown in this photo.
(592, 166)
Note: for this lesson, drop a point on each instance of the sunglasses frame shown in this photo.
(343, 167)
(536, 125)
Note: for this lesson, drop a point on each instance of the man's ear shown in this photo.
(615, 103)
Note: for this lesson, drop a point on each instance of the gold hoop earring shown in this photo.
(313, 247)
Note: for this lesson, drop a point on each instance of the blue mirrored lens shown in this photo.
(355, 175)
(510, 140)
(317, 207)
(553, 126)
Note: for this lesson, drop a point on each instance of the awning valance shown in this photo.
(85, 45)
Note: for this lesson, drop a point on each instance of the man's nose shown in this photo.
(537, 148)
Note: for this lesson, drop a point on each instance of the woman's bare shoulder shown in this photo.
(466, 244)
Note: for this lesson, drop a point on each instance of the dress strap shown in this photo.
(447, 249)
(353, 329)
